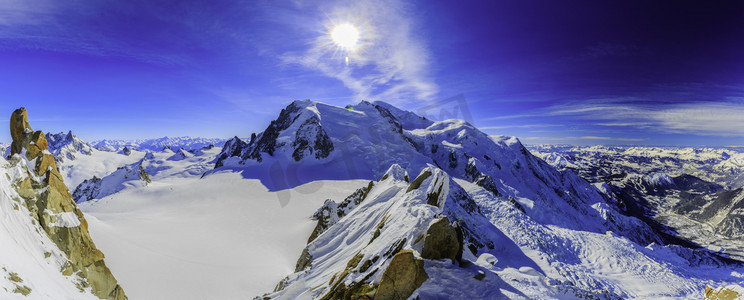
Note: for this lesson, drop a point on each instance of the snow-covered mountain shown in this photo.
(185, 142)
(507, 203)
(66, 146)
(46, 251)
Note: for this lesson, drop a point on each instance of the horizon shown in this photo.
(527, 144)
(580, 72)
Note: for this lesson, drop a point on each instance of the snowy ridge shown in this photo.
(185, 142)
(506, 254)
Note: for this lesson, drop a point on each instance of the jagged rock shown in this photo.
(402, 277)
(266, 141)
(304, 261)
(66, 145)
(126, 151)
(416, 183)
(442, 241)
(143, 175)
(51, 205)
(331, 212)
(311, 132)
(233, 147)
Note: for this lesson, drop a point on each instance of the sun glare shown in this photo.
(345, 36)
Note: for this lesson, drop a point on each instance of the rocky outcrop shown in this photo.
(402, 277)
(51, 205)
(731, 292)
(443, 241)
(331, 212)
(311, 137)
(233, 147)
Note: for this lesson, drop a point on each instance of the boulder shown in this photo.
(442, 241)
(402, 277)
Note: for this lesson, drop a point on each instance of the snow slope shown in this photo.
(220, 237)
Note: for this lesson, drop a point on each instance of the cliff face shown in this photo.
(51, 205)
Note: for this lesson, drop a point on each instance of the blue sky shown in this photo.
(580, 72)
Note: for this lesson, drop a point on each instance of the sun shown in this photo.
(345, 36)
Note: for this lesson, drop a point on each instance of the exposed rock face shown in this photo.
(731, 292)
(331, 212)
(403, 276)
(311, 137)
(50, 203)
(442, 241)
(233, 147)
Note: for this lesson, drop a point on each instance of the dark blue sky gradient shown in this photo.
(581, 72)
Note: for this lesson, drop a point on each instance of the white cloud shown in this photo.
(391, 63)
(702, 118)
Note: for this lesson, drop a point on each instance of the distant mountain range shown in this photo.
(695, 192)
(187, 143)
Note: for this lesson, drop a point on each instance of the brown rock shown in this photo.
(402, 277)
(442, 241)
(18, 126)
(722, 293)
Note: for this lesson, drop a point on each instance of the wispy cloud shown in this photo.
(702, 118)
(392, 62)
(147, 31)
